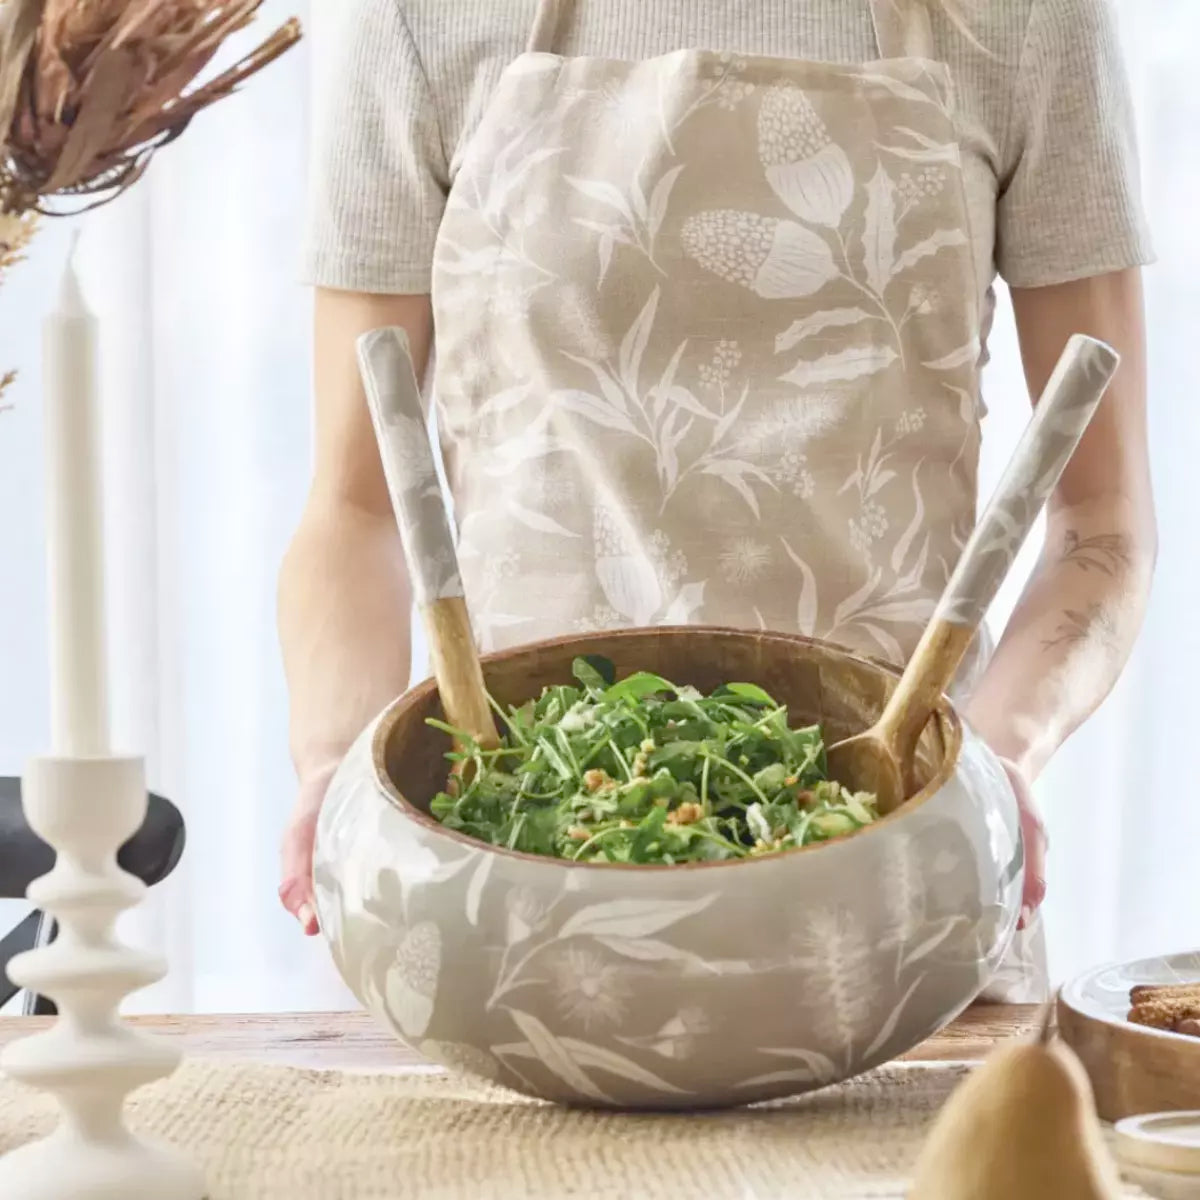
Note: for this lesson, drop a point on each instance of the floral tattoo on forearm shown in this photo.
(1096, 624)
(1107, 553)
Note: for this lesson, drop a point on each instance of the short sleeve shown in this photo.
(377, 174)
(1070, 205)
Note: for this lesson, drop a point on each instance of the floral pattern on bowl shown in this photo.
(686, 986)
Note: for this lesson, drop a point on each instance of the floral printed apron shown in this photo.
(708, 345)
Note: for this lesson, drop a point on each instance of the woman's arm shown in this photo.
(1076, 624)
(344, 600)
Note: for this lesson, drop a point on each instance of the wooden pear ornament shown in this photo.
(1022, 1127)
(880, 759)
(394, 398)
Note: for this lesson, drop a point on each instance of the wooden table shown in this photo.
(353, 1041)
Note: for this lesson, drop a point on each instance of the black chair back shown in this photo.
(151, 855)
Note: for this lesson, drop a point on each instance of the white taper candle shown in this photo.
(74, 526)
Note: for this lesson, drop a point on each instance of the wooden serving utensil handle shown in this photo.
(394, 398)
(1059, 421)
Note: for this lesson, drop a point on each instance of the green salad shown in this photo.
(640, 770)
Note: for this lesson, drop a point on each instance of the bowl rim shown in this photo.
(950, 723)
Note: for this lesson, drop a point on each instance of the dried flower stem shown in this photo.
(89, 89)
(15, 235)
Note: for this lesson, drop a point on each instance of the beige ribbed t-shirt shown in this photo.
(1043, 101)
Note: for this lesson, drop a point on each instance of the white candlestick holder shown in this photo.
(86, 809)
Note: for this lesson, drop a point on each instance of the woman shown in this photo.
(709, 334)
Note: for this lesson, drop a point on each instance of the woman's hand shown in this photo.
(1033, 836)
(296, 890)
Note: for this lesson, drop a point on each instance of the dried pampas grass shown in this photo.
(15, 234)
(16, 230)
(89, 89)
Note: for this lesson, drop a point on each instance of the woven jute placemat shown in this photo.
(275, 1133)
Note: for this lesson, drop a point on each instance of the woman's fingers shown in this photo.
(295, 892)
(1033, 837)
(296, 853)
(1035, 861)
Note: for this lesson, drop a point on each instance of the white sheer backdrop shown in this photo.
(205, 370)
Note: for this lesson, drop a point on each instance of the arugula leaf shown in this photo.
(648, 834)
(639, 687)
(594, 672)
(746, 691)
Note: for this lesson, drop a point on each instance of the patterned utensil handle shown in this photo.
(394, 398)
(1062, 415)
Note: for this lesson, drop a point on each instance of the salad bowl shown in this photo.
(684, 986)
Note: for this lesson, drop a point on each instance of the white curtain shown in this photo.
(1118, 799)
(205, 364)
(205, 375)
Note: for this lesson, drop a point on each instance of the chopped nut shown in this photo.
(577, 833)
(595, 779)
(688, 813)
(648, 746)
(791, 780)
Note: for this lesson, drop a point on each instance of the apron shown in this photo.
(708, 347)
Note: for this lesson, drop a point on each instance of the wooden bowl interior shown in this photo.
(820, 684)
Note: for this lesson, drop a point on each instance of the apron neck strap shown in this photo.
(903, 28)
(548, 26)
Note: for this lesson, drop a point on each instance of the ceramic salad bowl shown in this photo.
(694, 985)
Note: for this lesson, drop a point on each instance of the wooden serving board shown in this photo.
(1133, 1069)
